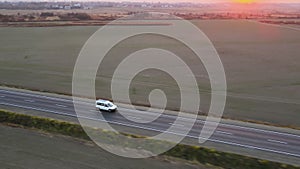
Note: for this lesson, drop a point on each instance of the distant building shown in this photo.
(54, 6)
(76, 6)
(67, 7)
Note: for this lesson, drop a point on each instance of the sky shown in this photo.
(171, 1)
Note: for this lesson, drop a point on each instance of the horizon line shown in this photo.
(158, 1)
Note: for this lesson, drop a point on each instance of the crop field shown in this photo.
(261, 63)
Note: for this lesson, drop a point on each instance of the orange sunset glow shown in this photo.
(245, 1)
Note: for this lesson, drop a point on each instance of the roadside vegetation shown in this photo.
(192, 153)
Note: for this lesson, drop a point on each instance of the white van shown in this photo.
(105, 105)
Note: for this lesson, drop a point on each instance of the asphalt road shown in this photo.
(285, 144)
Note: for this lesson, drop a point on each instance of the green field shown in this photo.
(262, 66)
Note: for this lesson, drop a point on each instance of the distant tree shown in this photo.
(46, 14)
(82, 16)
(31, 17)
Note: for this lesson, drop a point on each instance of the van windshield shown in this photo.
(109, 104)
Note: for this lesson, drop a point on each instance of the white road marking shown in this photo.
(34, 95)
(153, 129)
(46, 97)
(133, 117)
(223, 132)
(277, 141)
(224, 124)
(179, 125)
(92, 110)
(31, 101)
(59, 105)
(2, 96)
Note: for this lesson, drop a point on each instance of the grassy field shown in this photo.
(261, 64)
(57, 151)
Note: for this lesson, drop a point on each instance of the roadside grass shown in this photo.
(192, 153)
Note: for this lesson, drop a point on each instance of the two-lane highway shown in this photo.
(282, 143)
